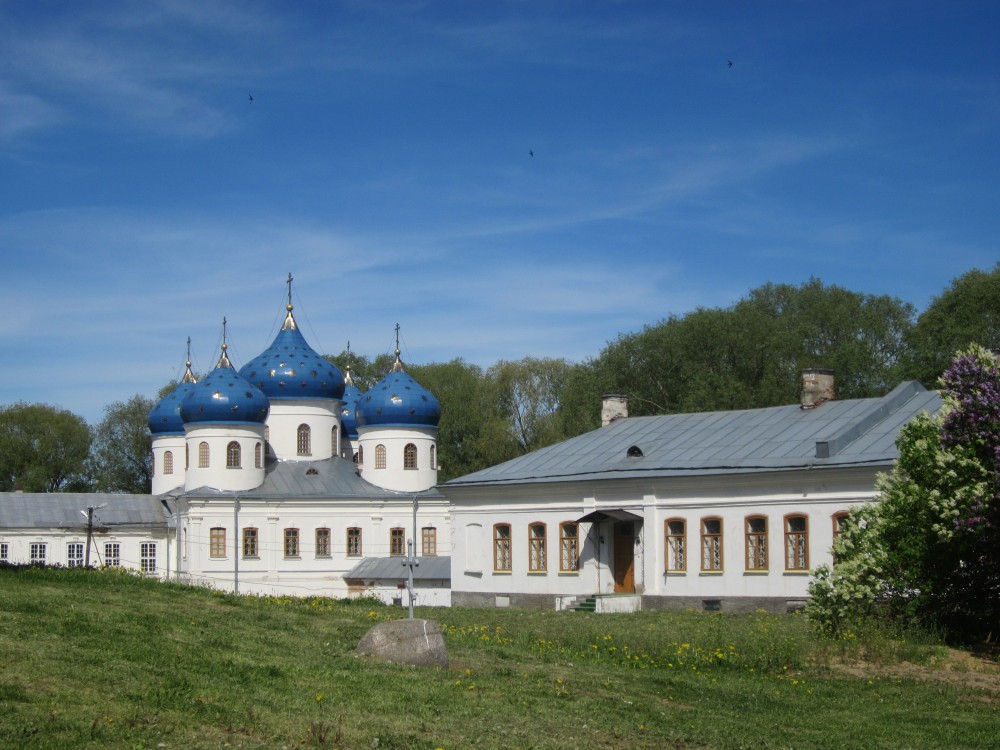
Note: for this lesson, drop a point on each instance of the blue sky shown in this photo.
(385, 162)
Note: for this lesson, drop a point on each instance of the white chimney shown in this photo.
(613, 406)
(817, 387)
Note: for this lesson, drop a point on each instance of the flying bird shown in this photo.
(531, 153)
(251, 95)
(730, 63)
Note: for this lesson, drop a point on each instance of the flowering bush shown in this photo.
(927, 552)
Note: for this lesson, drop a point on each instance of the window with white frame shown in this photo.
(36, 553)
(112, 555)
(4, 552)
(74, 555)
(379, 456)
(147, 557)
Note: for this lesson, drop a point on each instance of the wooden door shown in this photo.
(624, 541)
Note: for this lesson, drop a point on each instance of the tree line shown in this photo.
(747, 355)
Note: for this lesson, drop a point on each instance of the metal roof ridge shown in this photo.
(881, 410)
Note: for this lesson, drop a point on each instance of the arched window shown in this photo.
(257, 455)
(335, 441)
(536, 548)
(354, 542)
(187, 457)
(304, 440)
(711, 544)
(234, 458)
(359, 457)
(152, 463)
(203, 455)
(410, 456)
(676, 546)
(756, 542)
(379, 456)
(434, 463)
(839, 524)
(569, 547)
(501, 547)
(397, 541)
(168, 462)
(796, 542)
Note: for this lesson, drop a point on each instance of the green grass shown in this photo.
(99, 660)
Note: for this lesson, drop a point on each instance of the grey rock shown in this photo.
(416, 642)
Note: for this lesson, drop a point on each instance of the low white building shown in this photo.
(714, 511)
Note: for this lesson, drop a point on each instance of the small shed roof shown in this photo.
(394, 569)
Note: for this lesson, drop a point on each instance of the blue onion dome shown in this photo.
(352, 394)
(398, 399)
(290, 368)
(165, 416)
(224, 396)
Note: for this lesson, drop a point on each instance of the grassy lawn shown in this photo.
(103, 660)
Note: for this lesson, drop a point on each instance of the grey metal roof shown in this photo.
(68, 510)
(392, 569)
(836, 433)
(331, 478)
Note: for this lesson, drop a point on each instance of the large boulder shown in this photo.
(416, 642)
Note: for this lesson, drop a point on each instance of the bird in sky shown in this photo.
(531, 153)
(730, 63)
(251, 95)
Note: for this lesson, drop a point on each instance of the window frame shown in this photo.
(538, 547)
(73, 560)
(4, 551)
(397, 541)
(291, 543)
(204, 455)
(410, 456)
(706, 540)
(428, 541)
(800, 539)
(147, 557)
(303, 440)
(502, 548)
(234, 455)
(217, 543)
(323, 542)
(251, 543)
(569, 548)
(258, 455)
(839, 519)
(37, 553)
(354, 541)
(675, 546)
(755, 541)
(380, 456)
(168, 462)
(112, 554)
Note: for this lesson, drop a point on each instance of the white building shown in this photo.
(261, 485)
(716, 510)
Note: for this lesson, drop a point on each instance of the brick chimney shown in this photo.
(817, 387)
(613, 406)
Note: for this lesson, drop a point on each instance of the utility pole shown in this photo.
(236, 529)
(90, 531)
(411, 561)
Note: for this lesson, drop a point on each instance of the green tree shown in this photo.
(967, 312)
(526, 395)
(42, 449)
(751, 354)
(121, 458)
(926, 553)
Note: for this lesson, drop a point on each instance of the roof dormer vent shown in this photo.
(634, 452)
